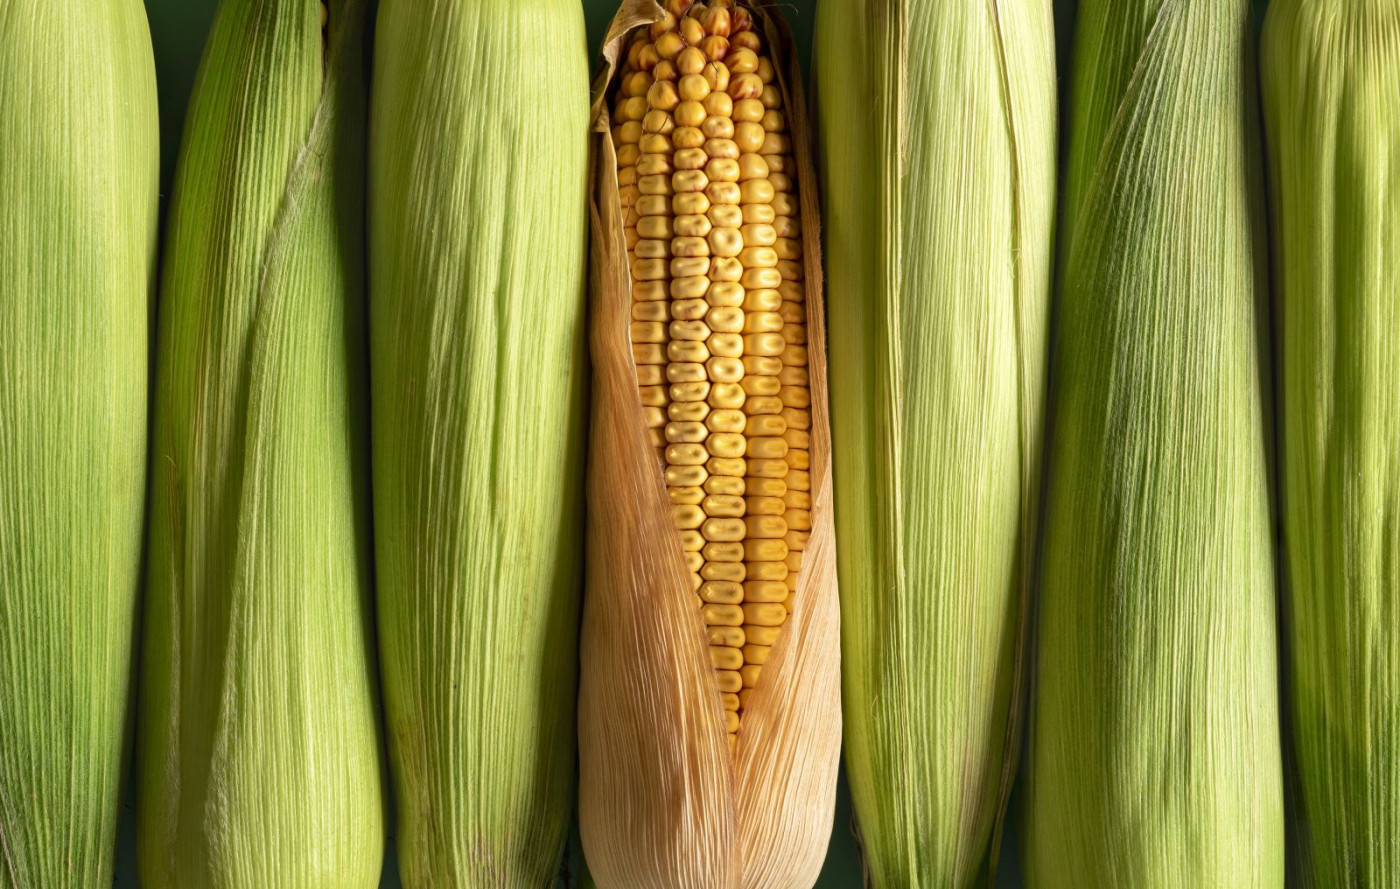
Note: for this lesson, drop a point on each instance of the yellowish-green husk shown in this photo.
(478, 159)
(1331, 83)
(938, 131)
(259, 746)
(79, 161)
(1154, 750)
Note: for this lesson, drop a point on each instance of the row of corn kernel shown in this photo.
(727, 34)
(638, 152)
(699, 458)
(685, 476)
(684, 387)
(795, 392)
(766, 571)
(708, 230)
(784, 311)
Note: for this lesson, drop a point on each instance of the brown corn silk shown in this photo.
(668, 795)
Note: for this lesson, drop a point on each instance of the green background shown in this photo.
(178, 29)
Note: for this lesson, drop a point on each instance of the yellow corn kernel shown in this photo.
(766, 570)
(762, 635)
(730, 636)
(723, 615)
(725, 658)
(748, 673)
(764, 614)
(732, 571)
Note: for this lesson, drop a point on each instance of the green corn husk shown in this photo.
(1154, 757)
(1331, 78)
(938, 125)
(259, 761)
(78, 205)
(478, 159)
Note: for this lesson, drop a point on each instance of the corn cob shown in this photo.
(78, 204)
(478, 163)
(940, 213)
(1330, 78)
(709, 470)
(1155, 755)
(718, 324)
(259, 747)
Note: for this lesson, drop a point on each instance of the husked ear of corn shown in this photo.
(478, 158)
(1154, 755)
(938, 135)
(259, 749)
(1331, 79)
(709, 718)
(79, 189)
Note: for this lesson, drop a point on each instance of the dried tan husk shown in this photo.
(662, 802)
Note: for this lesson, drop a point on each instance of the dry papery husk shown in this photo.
(662, 800)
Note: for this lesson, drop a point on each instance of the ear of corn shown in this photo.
(713, 225)
(259, 750)
(1154, 746)
(478, 186)
(1331, 73)
(709, 728)
(78, 176)
(938, 131)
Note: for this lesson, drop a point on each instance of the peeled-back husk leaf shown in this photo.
(1331, 80)
(260, 757)
(662, 802)
(478, 158)
(938, 134)
(79, 160)
(1154, 759)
